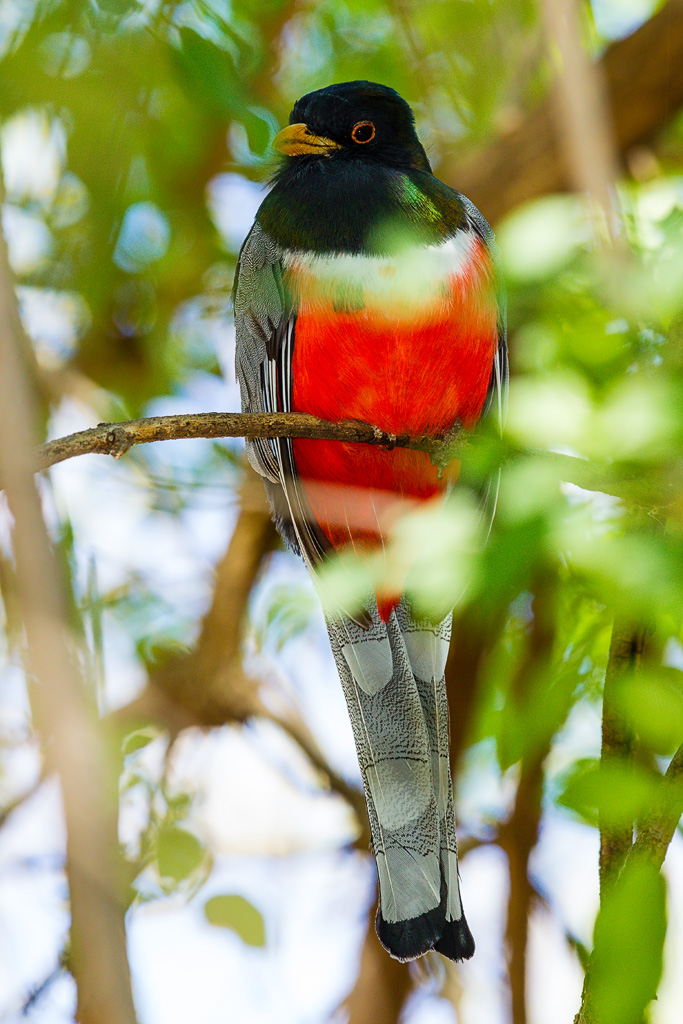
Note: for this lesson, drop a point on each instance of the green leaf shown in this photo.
(653, 704)
(139, 739)
(210, 73)
(619, 794)
(288, 613)
(237, 914)
(179, 853)
(628, 944)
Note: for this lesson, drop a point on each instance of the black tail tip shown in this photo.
(406, 940)
(456, 941)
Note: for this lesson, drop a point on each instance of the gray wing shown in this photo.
(265, 326)
(496, 397)
(497, 394)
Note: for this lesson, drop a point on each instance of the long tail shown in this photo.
(393, 679)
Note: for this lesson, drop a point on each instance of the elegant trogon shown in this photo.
(367, 290)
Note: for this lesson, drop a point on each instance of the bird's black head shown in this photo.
(353, 120)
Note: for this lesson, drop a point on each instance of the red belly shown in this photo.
(402, 376)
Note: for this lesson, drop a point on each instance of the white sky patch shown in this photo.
(29, 240)
(233, 201)
(33, 154)
(53, 320)
(259, 794)
(617, 18)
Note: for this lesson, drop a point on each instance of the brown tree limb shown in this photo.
(518, 838)
(519, 835)
(116, 438)
(382, 986)
(643, 77)
(583, 116)
(74, 744)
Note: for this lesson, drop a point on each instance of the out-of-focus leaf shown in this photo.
(628, 945)
(287, 613)
(619, 794)
(539, 239)
(179, 853)
(139, 739)
(211, 73)
(237, 914)
(652, 702)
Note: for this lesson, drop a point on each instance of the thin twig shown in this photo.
(19, 801)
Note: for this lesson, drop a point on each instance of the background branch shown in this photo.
(643, 92)
(227, 695)
(73, 743)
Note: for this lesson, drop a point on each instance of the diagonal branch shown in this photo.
(657, 831)
(207, 686)
(626, 651)
(643, 77)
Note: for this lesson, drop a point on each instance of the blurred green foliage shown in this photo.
(237, 914)
(130, 112)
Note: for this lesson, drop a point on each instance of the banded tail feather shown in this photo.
(392, 674)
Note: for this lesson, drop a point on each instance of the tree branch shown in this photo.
(382, 986)
(583, 116)
(657, 831)
(643, 77)
(74, 745)
(116, 438)
(227, 695)
(519, 835)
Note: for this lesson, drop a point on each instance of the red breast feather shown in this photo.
(405, 373)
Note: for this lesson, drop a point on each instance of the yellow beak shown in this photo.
(296, 140)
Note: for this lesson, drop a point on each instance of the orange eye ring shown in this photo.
(360, 130)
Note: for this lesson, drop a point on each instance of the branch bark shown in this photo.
(656, 494)
(74, 745)
(116, 438)
(643, 77)
(518, 836)
(656, 833)
(583, 116)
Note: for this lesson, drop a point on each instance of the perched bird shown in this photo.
(367, 290)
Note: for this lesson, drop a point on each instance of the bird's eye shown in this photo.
(363, 132)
